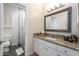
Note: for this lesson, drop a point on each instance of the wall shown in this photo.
(78, 20)
(1, 18)
(34, 23)
(74, 19)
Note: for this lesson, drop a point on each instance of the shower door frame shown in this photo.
(19, 44)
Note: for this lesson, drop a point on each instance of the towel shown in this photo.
(19, 51)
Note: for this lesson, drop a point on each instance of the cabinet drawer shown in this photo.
(48, 44)
(51, 45)
(61, 49)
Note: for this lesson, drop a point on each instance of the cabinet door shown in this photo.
(39, 48)
(50, 52)
(36, 47)
(42, 50)
(53, 52)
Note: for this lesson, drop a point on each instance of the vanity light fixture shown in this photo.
(52, 7)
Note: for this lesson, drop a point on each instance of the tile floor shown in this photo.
(12, 51)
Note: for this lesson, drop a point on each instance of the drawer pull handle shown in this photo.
(65, 51)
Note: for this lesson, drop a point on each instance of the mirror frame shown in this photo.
(69, 9)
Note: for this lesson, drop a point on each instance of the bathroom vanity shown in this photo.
(49, 46)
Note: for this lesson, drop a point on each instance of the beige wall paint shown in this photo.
(34, 23)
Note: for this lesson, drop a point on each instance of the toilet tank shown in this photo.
(6, 37)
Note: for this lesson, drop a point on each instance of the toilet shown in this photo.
(6, 46)
(6, 43)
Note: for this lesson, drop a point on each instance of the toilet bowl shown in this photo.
(5, 49)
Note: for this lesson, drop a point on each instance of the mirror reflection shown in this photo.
(59, 21)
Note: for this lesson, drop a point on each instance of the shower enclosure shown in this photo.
(14, 25)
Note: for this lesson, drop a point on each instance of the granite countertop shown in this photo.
(60, 41)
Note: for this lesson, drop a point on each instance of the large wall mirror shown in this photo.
(59, 21)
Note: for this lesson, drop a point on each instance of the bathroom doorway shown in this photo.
(14, 29)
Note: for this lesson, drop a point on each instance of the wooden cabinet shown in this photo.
(44, 48)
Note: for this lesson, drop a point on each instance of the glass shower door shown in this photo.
(21, 28)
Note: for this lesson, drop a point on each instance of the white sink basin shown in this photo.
(50, 38)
